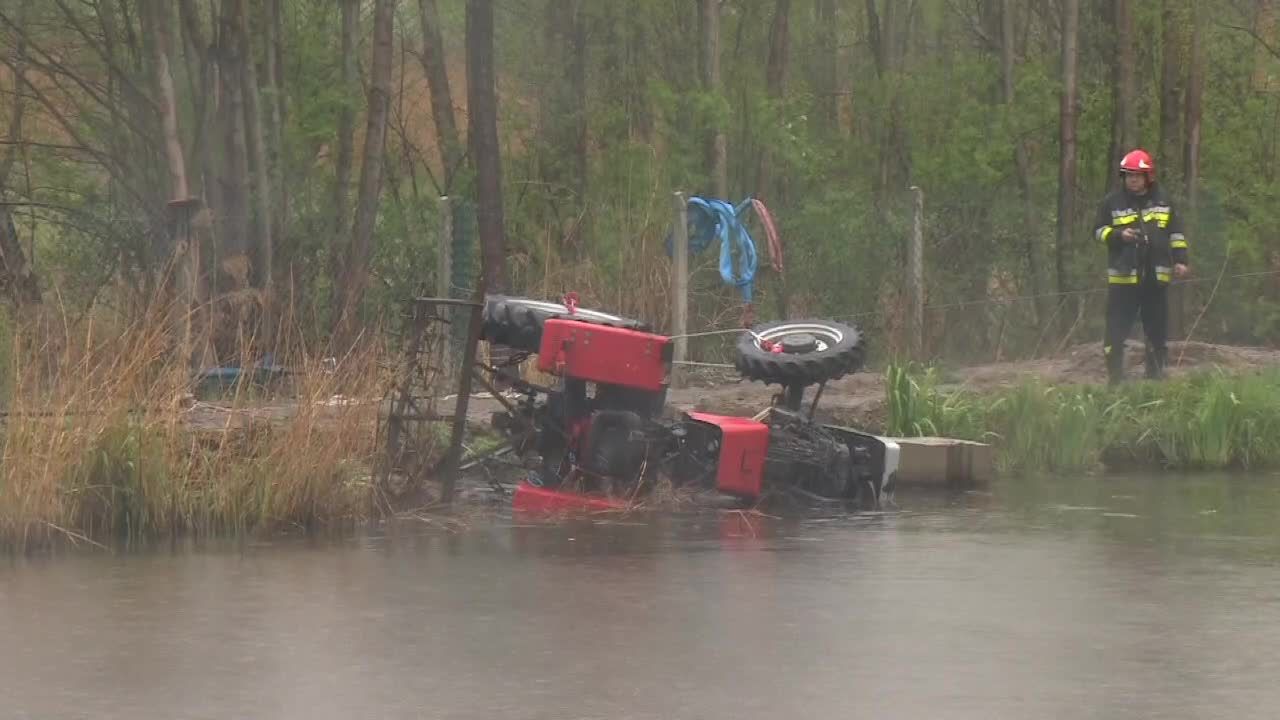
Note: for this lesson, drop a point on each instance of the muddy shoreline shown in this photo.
(857, 400)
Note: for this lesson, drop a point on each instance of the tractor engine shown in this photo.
(599, 421)
(808, 455)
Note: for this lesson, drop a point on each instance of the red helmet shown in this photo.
(1139, 161)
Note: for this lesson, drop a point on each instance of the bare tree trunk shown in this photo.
(562, 146)
(433, 65)
(120, 137)
(1191, 154)
(775, 86)
(639, 108)
(276, 12)
(202, 176)
(613, 65)
(779, 50)
(139, 110)
(17, 276)
(578, 87)
(891, 44)
(1173, 47)
(346, 150)
(1264, 53)
(482, 104)
(357, 266)
(889, 39)
(146, 115)
(264, 247)
(828, 62)
(193, 59)
(131, 37)
(625, 60)
(168, 102)
(184, 254)
(875, 39)
(273, 85)
(1020, 160)
(233, 216)
(717, 147)
(1067, 136)
(17, 64)
(1124, 120)
(1195, 100)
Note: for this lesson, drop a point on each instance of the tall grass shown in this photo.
(916, 405)
(102, 439)
(1208, 420)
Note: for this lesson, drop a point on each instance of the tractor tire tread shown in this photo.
(846, 357)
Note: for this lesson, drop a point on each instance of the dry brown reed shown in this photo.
(102, 437)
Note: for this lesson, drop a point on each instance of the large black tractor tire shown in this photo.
(516, 322)
(814, 351)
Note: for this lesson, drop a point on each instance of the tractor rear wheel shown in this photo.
(799, 352)
(516, 322)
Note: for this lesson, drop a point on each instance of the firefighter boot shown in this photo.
(1155, 361)
(1115, 363)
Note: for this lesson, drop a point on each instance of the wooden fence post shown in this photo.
(679, 285)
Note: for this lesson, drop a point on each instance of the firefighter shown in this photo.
(1146, 248)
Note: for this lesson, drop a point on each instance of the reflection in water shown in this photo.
(1130, 597)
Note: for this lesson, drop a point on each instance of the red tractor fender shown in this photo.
(743, 445)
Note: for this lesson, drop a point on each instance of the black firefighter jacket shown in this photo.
(1163, 243)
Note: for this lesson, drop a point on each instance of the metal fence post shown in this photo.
(915, 277)
(444, 279)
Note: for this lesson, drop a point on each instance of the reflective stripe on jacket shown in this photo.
(1163, 245)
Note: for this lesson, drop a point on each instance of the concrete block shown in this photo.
(945, 462)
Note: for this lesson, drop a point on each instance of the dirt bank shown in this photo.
(856, 400)
(859, 399)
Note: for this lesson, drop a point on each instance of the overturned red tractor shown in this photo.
(603, 437)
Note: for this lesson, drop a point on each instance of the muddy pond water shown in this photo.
(1098, 597)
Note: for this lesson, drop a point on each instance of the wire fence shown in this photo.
(986, 302)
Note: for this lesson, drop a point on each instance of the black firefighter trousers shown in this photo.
(1124, 304)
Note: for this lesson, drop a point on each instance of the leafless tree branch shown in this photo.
(1273, 50)
(974, 26)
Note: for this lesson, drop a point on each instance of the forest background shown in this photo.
(272, 164)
